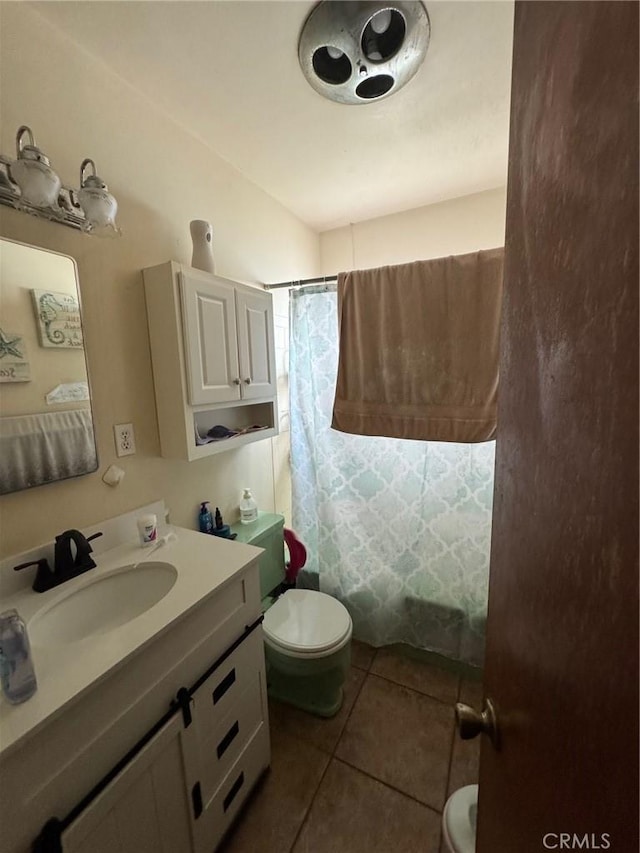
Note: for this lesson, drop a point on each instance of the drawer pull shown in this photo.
(232, 793)
(196, 799)
(227, 740)
(224, 685)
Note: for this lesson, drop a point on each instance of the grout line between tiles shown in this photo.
(331, 757)
(391, 787)
(451, 747)
(346, 722)
(413, 690)
(373, 657)
(310, 806)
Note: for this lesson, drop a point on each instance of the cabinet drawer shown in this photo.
(220, 751)
(222, 808)
(214, 700)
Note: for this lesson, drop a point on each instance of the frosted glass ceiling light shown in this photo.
(39, 184)
(355, 52)
(99, 206)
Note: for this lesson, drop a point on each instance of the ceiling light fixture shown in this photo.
(356, 52)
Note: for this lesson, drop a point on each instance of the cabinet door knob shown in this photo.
(248, 381)
(236, 381)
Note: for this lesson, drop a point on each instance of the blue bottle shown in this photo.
(205, 519)
(17, 676)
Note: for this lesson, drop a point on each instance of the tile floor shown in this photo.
(374, 779)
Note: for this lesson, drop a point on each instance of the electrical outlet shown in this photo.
(125, 439)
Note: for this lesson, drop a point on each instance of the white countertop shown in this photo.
(66, 671)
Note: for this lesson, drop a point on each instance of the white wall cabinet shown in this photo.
(213, 354)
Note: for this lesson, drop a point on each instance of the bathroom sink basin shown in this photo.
(103, 604)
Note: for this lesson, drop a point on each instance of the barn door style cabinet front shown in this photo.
(212, 347)
(183, 789)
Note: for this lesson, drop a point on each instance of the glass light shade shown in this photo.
(39, 184)
(97, 203)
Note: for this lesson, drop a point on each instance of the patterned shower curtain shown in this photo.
(399, 531)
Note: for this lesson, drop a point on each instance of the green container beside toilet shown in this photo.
(307, 634)
(265, 533)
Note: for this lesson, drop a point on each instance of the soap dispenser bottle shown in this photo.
(205, 519)
(248, 508)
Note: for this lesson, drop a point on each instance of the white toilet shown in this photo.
(459, 820)
(307, 634)
(307, 637)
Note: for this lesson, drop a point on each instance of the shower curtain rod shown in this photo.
(303, 282)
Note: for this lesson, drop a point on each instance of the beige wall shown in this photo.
(281, 443)
(450, 228)
(162, 177)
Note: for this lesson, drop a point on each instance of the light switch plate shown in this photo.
(125, 439)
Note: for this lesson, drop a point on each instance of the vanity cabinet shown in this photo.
(146, 808)
(213, 355)
(183, 788)
(159, 754)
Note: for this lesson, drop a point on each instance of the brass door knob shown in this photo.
(248, 381)
(471, 723)
(236, 381)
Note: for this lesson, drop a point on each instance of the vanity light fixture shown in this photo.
(28, 183)
(98, 204)
(358, 52)
(39, 184)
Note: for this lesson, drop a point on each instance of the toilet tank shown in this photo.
(266, 532)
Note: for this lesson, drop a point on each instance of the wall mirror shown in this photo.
(46, 424)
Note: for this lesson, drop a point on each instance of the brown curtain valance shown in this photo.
(419, 349)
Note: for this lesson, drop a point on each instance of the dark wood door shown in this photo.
(562, 644)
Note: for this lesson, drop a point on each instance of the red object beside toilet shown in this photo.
(297, 555)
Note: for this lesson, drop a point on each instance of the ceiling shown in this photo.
(228, 72)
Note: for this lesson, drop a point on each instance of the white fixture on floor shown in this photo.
(459, 820)
(307, 633)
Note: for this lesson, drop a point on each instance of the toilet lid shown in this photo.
(304, 620)
(459, 820)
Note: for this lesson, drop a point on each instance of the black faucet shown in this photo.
(66, 565)
(63, 559)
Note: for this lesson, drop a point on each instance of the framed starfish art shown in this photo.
(14, 365)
